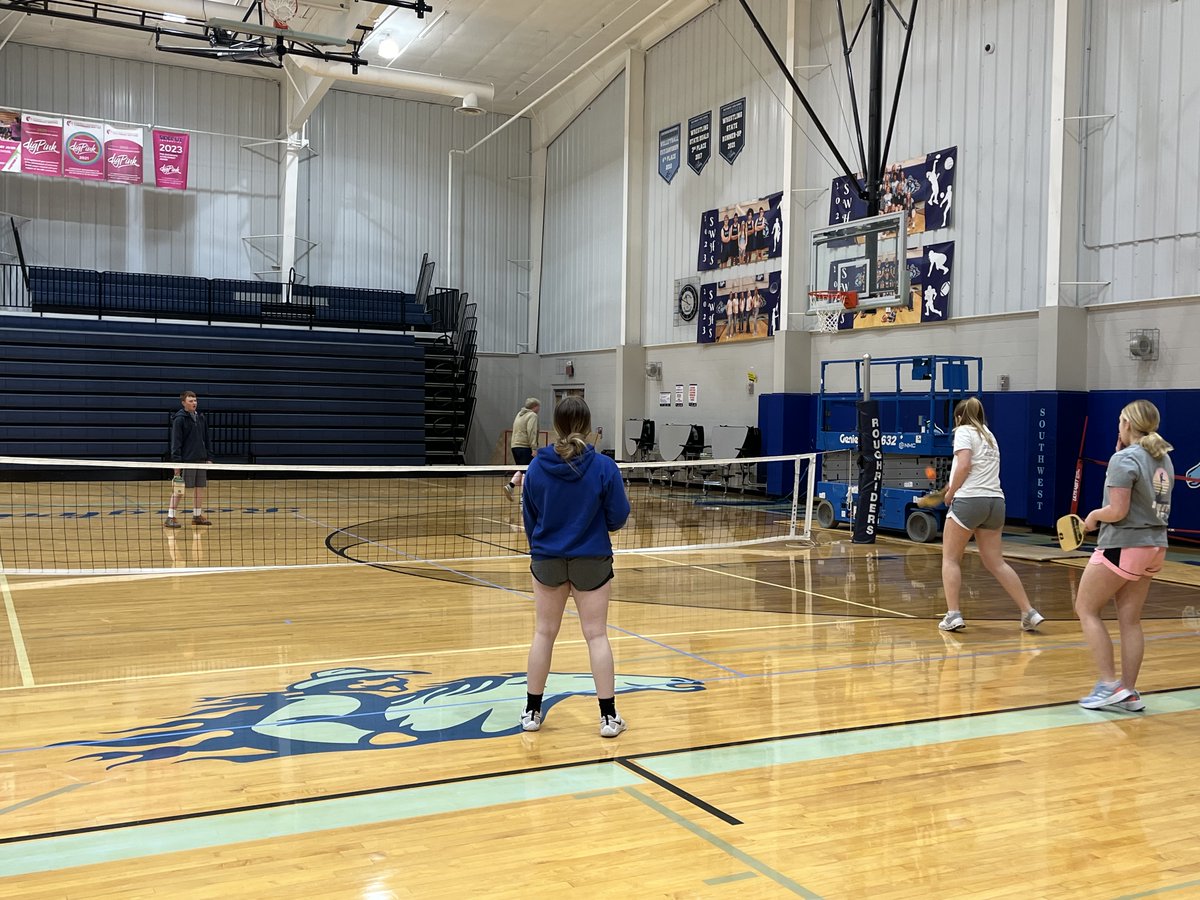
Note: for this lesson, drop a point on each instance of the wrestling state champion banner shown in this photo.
(930, 271)
(739, 309)
(922, 187)
(742, 233)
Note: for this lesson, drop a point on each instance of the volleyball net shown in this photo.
(89, 517)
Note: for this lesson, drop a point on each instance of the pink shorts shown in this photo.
(1131, 563)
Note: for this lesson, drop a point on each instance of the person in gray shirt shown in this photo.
(1130, 550)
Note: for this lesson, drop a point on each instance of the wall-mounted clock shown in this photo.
(688, 302)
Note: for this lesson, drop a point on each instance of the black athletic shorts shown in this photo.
(588, 573)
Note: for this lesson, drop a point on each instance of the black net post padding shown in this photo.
(870, 472)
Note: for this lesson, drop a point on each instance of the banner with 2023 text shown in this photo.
(60, 147)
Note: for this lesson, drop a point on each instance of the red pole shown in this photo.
(1078, 470)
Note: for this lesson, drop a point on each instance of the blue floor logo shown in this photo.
(351, 709)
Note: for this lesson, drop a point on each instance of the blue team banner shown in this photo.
(930, 273)
(922, 187)
(733, 129)
(740, 234)
(699, 141)
(668, 152)
(739, 309)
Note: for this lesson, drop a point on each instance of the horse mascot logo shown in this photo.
(351, 709)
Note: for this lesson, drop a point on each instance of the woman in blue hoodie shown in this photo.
(573, 498)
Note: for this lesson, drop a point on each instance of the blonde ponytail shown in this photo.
(572, 445)
(573, 420)
(1143, 417)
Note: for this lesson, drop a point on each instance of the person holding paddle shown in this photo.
(1130, 550)
(976, 505)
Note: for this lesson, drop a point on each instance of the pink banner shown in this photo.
(84, 143)
(171, 159)
(123, 154)
(41, 145)
(10, 140)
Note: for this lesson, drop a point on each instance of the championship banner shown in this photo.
(84, 143)
(10, 140)
(930, 271)
(123, 154)
(699, 146)
(743, 233)
(733, 129)
(41, 145)
(922, 187)
(668, 153)
(171, 159)
(870, 472)
(740, 309)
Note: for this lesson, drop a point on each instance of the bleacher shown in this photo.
(84, 292)
(100, 388)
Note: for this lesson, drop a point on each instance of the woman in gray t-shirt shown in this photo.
(1129, 552)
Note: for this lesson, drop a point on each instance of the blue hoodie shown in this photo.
(570, 507)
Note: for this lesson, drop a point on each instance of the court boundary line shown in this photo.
(890, 612)
(479, 776)
(14, 627)
(679, 792)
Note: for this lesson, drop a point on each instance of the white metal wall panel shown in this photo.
(714, 59)
(992, 106)
(580, 296)
(232, 191)
(1141, 222)
(375, 198)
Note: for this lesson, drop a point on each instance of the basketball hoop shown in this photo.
(829, 306)
(281, 11)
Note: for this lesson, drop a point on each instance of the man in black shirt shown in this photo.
(189, 444)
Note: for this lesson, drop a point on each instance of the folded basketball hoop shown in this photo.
(828, 307)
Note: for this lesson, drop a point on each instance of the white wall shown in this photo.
(582, 243)
(700, 67)
(232, 193)
(374, 198)
(1141, 219)
(1110, 367)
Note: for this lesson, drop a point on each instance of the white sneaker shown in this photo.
(952, 621)
(508, 490)
(1031, 620)
(531, 721)
(1133, 702)
(611, 726)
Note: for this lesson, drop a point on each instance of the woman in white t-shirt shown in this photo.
(976, 508)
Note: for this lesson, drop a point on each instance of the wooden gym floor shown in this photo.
(798, 726)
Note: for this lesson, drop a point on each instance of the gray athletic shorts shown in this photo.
(588, 573)
(978, 512)
(195, 478)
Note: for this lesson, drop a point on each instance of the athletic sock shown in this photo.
(196, 512)
(608, 706)
(533, 702)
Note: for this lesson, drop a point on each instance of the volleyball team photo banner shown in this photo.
(742, 233)
(739, 309)
(922, 187)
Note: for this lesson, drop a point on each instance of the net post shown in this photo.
(795, 497)
(810, 491)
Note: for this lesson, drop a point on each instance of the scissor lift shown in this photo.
(916, 396)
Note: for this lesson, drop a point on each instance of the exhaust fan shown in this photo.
(1143, 344)
(654, 370)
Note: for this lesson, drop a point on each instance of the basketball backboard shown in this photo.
(866, 256)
